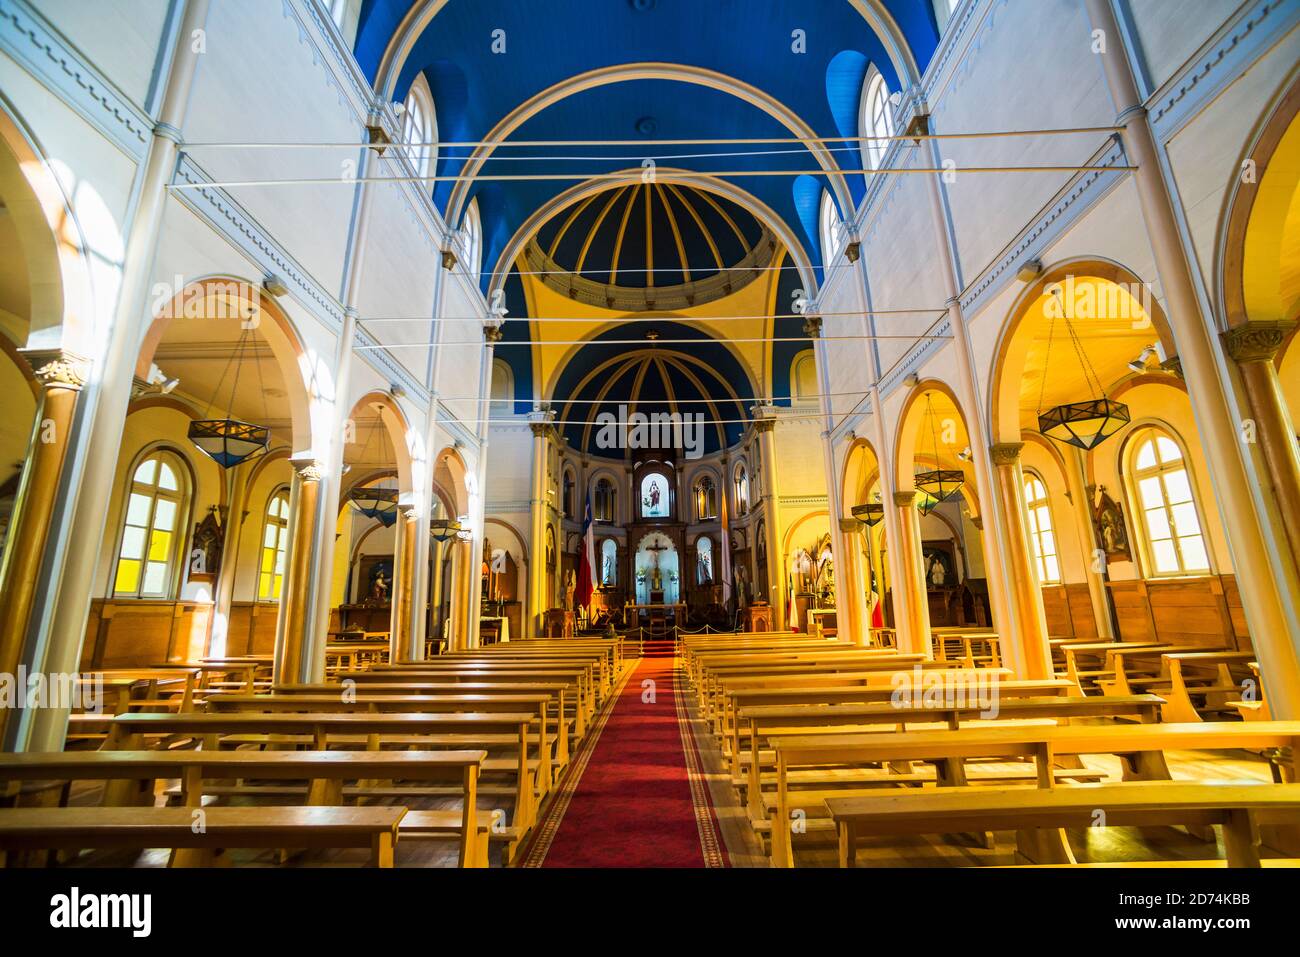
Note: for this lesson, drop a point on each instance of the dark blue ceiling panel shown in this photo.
(545, 43)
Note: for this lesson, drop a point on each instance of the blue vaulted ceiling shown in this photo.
(746, 42)
(546, 43)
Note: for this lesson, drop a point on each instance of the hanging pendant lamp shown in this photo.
(937, 484)
(1085, 424)
(230, 441)
(375, 501)
(870, 514)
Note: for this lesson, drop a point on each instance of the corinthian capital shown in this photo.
(1256, 340)
(56, 369)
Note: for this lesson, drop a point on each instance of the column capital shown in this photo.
(448, 259)
(491, 334)
(308, 469)
(812, 327)
(905, 499)
(1256, 340)
(56, 369)
(1006, 453)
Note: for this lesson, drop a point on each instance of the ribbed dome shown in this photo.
(706, 379)
(650, 246)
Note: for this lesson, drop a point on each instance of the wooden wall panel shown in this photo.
(1081, 616)
(1203, 611)
(1056, 605)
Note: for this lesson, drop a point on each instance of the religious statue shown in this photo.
(704, 569)
(570, 586)
(209, 536)
(607, 576)
(742, 596)
(936, 574)
(379, 586)
(651, 501)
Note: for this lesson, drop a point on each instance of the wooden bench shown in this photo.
(67, 828)
(1141, 745)
(1239, 809)
(552, 745)
(322, 775)
(765, 723)
(452, 731)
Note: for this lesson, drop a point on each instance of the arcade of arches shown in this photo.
(1041, 426)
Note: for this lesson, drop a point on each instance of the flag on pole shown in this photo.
(793, 617)
(874, 606)
(586, 561)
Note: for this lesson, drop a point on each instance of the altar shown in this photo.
(632, 613)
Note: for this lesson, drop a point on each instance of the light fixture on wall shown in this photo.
(1085, 424)
(1140, 363)
(937, 484)
(230, 441)
(965, 454)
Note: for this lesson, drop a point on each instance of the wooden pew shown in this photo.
(1141, 745)
(553, 749)
(321, 773)
(564, 694)
(74, 828)
(367, 682)
(1239, 809)
(454, 731)
(765, 723)
(737, 698)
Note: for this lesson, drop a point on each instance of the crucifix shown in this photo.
(656, 583)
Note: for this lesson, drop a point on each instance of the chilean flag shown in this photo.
(586, 561)
(874, 604)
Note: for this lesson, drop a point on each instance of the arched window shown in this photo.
(1163, 490)
(943, 10)
(706, 499)
(741, 481)
(877, 119)
(419, 126)
(608, 562)
(473, 239)
(275, 534)
(803, 377)
(603, 502)
(1041, 534)
(570, 494)
(154, 527)
(704, 560)
(830, 229)
(503, 386)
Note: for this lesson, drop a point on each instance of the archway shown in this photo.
(217, 349)
(933, 458)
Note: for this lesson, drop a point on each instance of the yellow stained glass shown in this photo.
(128, 576)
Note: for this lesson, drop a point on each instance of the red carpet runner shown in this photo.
(640, 800)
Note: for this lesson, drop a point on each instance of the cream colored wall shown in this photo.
(122, 37)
